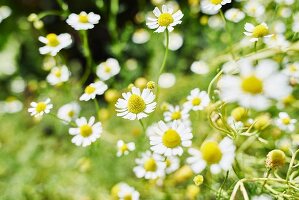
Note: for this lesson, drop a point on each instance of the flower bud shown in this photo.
(198, 180)
(275, 159)
(111, 95)
(239, 113)
(140, 82)
(262, 122)
(151, 85)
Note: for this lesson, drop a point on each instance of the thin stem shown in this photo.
(212, 82)
(97, 105)
(265, 182)
(64, 121)
(291, 164)
(141, 123)
(87, 55)
(222, 185)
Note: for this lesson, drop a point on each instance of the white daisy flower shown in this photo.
(292, 70)
(170, 138)
(136, 104)
(172, 164)
(215, 5)
(108, 69)
(257, 32)
(83, 21)
(140, 36)
(235, 15)
(69, 112)
(199, 67)
(127, 192)
(39, 108)
(93, 89)
(254, 9)
(150, 166)
(255, 86)
(176, 113)
(219, 156)
(124, 148)
(86, 132)
(277, 41)
(165, 19)
(54, 43)
(58, 75)
(285, 123)
(197, 100)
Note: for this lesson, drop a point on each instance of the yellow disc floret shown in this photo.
(58, 73)
(136, 104)
(252, 84)
(52, 40)
(89, 89)
(171, 138)
(286, 120)
(40, 107)
(196, 101)
(216, 2)
(83, 18)
(260, 31)
(85, 130)
(176, 115)
(165, 19)
(211, 152)
(150, 165)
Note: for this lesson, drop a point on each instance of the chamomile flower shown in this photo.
(285, 123)
(39, 108)
(169, 139)
(108, 69)
(127, 192)
(58, 75)
(197, 100)
(150, 166)
(277, 41)
(93, 89)
(254, 9)
(83, 21)
(166, 80)
(292, 70)
(136, 104)
(86, 132)
(172, 164)
(69, 112)
(140, 36)
(176, 113)
(199, 67)
(215, 5)
(54, 43)
(219, 156)
(235, 15)
(255, 86)
(257, 32)
(11, 105)
(124, 148)
(166, 19)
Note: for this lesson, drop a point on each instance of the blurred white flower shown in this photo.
(295, 26)
(175, 41)
(170, 138)
(215, 22)
(5, 12)
(197, 100)
(292, 70)
(262, 197)
(214, 5)
(69, 112)
(277, 41)
(11, 105)
(230, 67)
(172, 164)
(285, 12)
(175, 113)
(108, 69)
(17, 85)
(255, 86)
(83, 21)
(286, 2)
(127, 192)
(285, 123)
(235, 15)
(124, 148)
(257, 32)
(199, 67)
(150, 166)
(136, 104)
(140, 36)
(58, 75)
(93, 89)
(166, 80)
(37, 109)
(254, 9)
(219, 156)
(54, 43)
(165, 19)
(279, 27)
(86, 132)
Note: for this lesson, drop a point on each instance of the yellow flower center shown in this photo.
(85, 130)
(196, 101)
(40, 107)
(124, 148)
(128, 197)
(260, 31)
(136, 104)
(252, 84)
(211, 152)
(176, 115)
(293, 68)
(286, 121)
(171, 138)
(52, 40)
(165, 19)
(89, 89)
(150, 165)
(107, 68)
(71, 113)
(216, 2)
(83, 18)
(58, 73)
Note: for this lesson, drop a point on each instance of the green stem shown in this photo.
(222, 185)
(64, 121)
(212, 82)
(291, 164)
(87, 55)
(141, 123)
(265, 182)
(97, 105)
